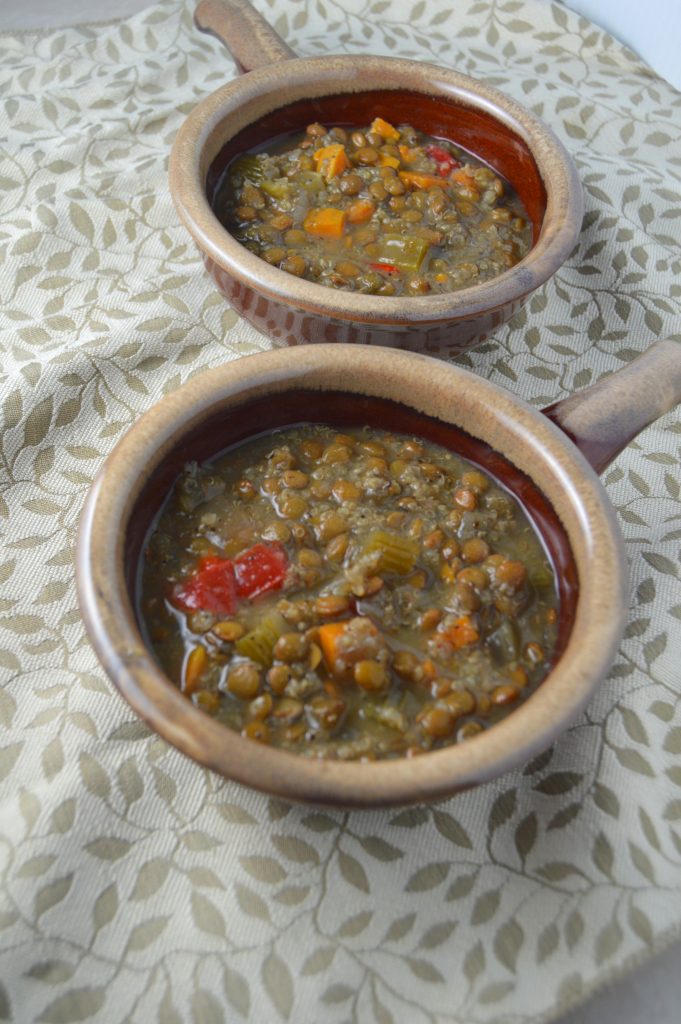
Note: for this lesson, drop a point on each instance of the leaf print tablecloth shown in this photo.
(134, 886)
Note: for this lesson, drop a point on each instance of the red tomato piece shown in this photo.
(437, 152)
(260, 569)
(445, 161)
(212, 588)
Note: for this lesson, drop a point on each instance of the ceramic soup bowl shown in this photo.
(531, 452)
(282, 93)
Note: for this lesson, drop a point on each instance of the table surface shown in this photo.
(650, 992)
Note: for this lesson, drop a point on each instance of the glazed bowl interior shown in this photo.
(345, 385)
(270, 102)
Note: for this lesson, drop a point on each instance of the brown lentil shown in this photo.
(256, 730)
(291, 647)
(437, 721)
(244, 681)
(331, 605)
(336, 548)
(229, 630)
(208, 701)
(504, 694)
(370, 675)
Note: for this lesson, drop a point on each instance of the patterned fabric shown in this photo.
(135, 886)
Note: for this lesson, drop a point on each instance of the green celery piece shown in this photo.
(247, 167)
(405, 253)
(398, 554)
(387, 715)
(310, 180)
(258, 645)
(278, 189)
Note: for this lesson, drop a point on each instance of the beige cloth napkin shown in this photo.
(134, 886)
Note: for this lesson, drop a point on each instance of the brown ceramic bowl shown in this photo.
(342, 384)
(283, 95)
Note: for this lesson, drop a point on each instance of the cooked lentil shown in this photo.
(415, 214)
(427, 623)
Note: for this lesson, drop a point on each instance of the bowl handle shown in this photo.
(250, 40)
(603, 419)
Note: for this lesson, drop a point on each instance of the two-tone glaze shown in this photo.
(282, 94)
(207, 413)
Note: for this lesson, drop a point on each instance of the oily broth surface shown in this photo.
(426, 575)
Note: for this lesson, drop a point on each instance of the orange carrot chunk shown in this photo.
(346, 643)
(463, 633)
(465, 178)
(329, 637)
(360, 211)
(325, 223)
(408, 153)
(331, 160)
(419, 180)
(384, 129)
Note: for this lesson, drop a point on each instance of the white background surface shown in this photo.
(652, 994)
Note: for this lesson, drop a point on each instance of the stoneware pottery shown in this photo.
(282, 93)
(530, 451)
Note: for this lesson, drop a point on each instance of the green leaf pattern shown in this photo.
(136, 886)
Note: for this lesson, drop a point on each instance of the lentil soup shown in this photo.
(355, 595)
(382, 210)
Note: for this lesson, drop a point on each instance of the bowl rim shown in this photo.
(110, 619)
(316, 77)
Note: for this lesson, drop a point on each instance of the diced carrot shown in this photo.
(465, 178)
(360, 211)
(331, 160)
(329, 635)
(463, 632)
(337, 164)
(386, 160)
(326, 223)
(407, 153)
(193, 669)
(419, 180)
(384, 129)
(361, 641)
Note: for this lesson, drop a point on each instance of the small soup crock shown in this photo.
(283, 93)
(530, 452)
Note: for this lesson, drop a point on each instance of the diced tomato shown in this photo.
(389, 268)
(260, 569)
(437, 153)
(444, 160)
(219, 582)
(212, 588)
